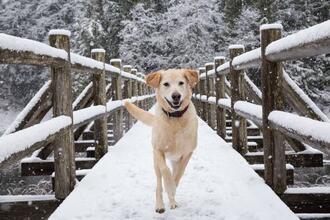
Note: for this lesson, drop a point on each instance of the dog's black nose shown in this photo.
(176, 97)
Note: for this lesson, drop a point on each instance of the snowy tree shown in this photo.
(186, 35)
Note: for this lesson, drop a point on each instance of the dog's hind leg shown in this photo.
(169, 183)
(159, 190)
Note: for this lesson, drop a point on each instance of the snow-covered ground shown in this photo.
(218, 184)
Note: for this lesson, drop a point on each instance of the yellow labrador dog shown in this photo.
(174, 127)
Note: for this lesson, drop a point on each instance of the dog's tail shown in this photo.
(140, 114)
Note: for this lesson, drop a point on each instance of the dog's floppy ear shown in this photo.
(192, 77)
(153, 79)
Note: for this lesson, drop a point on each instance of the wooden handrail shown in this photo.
(311, 41)
(304, 129)
(30, 52)
(8, 155)
(304, 43)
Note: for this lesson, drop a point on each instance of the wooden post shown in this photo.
(128, 91)
(99, 94)
(134, 85)
(220, 93)
(239, 132)
(64, 153)
(210, 92)
(203, 92)
(272, 99)
(139, 92)
(116, 87)
(197, 101)
(144, 88)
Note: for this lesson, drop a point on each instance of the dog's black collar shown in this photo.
(176, 114)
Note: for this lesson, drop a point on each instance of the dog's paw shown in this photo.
(174, 205)
(160, 210)
(126, 103)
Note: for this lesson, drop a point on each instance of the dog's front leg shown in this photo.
(159, 190)
(181, 166)
(169, 183)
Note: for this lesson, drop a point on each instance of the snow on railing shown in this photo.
(42, 51)
(313, 132)
(249, 111)
(221, 70)
(12, 43)
(224, 103)
(247, 60)
(21, 140)
(88, 113)
(312, 41)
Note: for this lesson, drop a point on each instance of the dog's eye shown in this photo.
(181, 83)
(166, 84)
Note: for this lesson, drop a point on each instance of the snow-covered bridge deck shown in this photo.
(218, 184)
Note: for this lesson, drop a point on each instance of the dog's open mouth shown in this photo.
(174, 105)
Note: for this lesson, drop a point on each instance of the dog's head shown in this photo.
(173, 87)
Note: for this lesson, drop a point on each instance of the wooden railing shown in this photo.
(243, 100)
(70, 119)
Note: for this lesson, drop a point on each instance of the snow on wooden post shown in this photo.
(128, 93)
(99, 94)
(210, 93)
(64, 161)
(203, 94)
(220, 93)
(272, 99)
(239, 132)
(116, 87)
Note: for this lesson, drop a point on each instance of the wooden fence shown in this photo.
(239, 97)
(70, 119)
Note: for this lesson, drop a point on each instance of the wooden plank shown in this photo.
(251, 131)
(272, 99)
(296, 159)
(251, 90)
(299, 101)
(237, 93)
(82, 145)
(46, 167)
(220, 93)
(307, 202)
(289, 177)
(31, 207)
(257, 139)
(29, 58)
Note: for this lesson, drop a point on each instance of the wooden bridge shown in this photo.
(222, 179)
